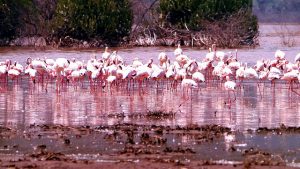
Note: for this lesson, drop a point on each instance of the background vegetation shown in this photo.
(87, 19)
(193, 12)
(10, 20)
(230, 23)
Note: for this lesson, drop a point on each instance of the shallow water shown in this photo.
(22, 104)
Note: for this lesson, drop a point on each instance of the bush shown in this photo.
(228, 23)
(237, 30)
(109, 20)
(9, 14)
(190, 13)
(14, 15)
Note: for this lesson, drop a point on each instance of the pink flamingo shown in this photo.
(230, 86)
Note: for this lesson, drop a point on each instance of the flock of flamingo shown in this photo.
(111, 71)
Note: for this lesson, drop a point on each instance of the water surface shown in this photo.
(23, 104)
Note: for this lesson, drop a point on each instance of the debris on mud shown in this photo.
(174, 146)
(279, 130)
(159, 115)
(257, 157)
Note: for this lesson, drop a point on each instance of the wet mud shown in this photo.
(130, 145)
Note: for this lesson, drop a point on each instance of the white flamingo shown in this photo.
(230, 86)
(105, 54)
(279, 55)
(178, 51)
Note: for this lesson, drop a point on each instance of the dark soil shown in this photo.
(135, 146)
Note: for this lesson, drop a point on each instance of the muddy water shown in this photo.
(23, 104)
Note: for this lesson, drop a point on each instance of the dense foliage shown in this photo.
(190, 13)
(229, 23)
(111, 20)
(10, 10)
(86, 19)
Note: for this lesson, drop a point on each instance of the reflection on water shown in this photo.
(22, 105)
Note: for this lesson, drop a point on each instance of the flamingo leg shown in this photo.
(258, 86)
(234, 95)
(292, 89)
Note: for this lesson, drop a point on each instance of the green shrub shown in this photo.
(7, 20)
(228, 23)
(190, 13)
(14, 14)
(109, 20)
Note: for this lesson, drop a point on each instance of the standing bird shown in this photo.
(279, 55)
(188, 84)
(250, 73)
(163, 60)
(59, 66)
(291, 77)
(105, 54)
(230, 86)
(198, 77)
(178, 51)
(274, 74)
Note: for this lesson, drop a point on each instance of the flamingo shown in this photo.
(143, 72)
(76, 76)
(163, 59)
(191, 66)
(3, 71)
(240, 73)
(115, 59)
(219, 55)
(59, 66)
(157, 74)
(187, 84)
(40, 67)
(50, 62)
(170, 75)
(105, 54)
(110, 80)
(136, 63)
(234, 65)
(291, 77)
(250, 73)
(182, 60)
(198, 77)
(279, 55)
(274, 74)
(226, 71)
(13, 74)
(178, 51)
(31, 72)
(210, 56)
(259, 65)
(230, 86)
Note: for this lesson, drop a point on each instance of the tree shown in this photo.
(189, 13)
(109, 20)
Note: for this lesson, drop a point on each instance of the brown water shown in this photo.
(22, 104)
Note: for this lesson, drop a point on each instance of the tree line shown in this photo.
(111, 20)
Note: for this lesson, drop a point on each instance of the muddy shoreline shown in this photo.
(130, 145)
